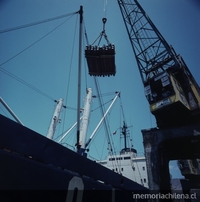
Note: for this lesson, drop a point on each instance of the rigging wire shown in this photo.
(106, 94)
(84, 45)
(34, 43)
(107, 129)
(102, 110)
(110, 142)
(22, 81)
(122, 110)
(130, 146)
(99, 95)
(86, 37)
(70, 65)
(96, 149)
(116, 164)
(70, 68)
(102, 105)
(36, 23)
(26, 84)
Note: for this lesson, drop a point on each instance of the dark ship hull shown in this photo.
(30, 161)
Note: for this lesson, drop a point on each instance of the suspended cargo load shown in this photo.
(101, 60)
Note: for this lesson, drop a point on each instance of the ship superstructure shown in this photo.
(127, 163)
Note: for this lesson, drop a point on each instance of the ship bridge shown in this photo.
(128, 150)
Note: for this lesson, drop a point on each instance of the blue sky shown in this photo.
(46, 65)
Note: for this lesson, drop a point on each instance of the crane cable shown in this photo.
(103, 33)
(105, 7)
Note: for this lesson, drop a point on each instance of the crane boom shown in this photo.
(152, 52)
(170, 88)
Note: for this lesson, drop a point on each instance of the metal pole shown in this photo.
(95, 130)
(79, 78)
(10, 111)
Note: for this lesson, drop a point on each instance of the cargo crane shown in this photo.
(171, 90)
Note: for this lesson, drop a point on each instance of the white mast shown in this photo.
(55, 119)
(85, 120)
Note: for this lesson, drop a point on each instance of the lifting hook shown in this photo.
(104, 20)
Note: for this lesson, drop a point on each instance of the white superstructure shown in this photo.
(127, 163)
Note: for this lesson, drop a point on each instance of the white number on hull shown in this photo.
(75, 190)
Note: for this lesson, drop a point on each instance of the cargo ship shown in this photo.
(34, 166)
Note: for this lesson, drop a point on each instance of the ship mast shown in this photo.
(124, 132)
(85, 120)
(79, 79)
(55, 120)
